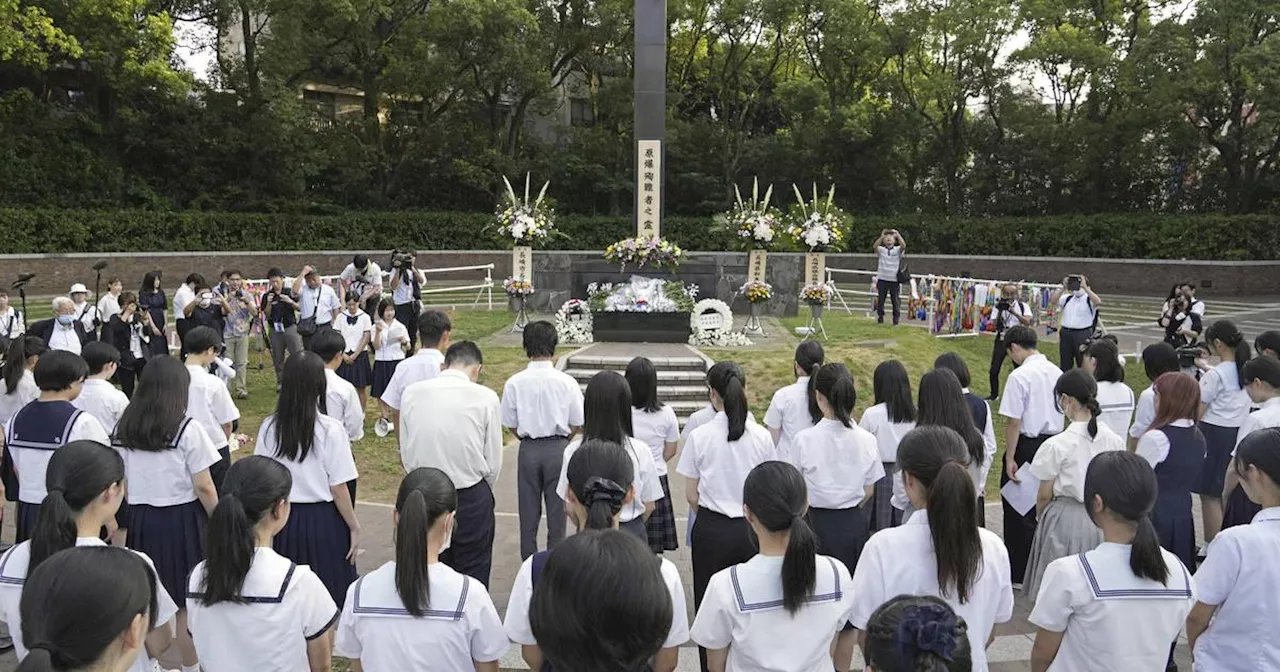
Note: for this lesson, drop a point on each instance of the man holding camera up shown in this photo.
(364, 279)
(1078, 315)
(318, 304)
(406, 291)
(1010, 312)
(280, 306)
(236, 326)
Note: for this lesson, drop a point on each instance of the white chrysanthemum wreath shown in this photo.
(573, 323)
(711, 324)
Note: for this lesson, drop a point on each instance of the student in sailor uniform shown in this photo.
(794, 407)
(917, 634)
(1175, 448)
(19, 390)
(417, 613)
(1262, 382)
(389, 341)
(43, 426)
(942, 403)
(1121, 605)
(607, 414)
(322, 531)
(208, 398)
(435, 329)
(357, 330)
(99, 397)
(1017, 314)
(1157, 360)
(248, 604)
(983, 420)
(786, 593)
(941, 551)
(892, 416)
(86, 483)
(1116, 399)
(601, 482)
(1223, 407)
(699, 418)
(341, 400)
(1267, 344)
(655, 424)
(1233, 627)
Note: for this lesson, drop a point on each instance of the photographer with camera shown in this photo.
(1182, 325)
(318, 304)
(235, 332)
(890, 272)
(406, 291)
(131, 331)
(363, 278)
(1010, 312)
(208, 309)
(11, 324)
(1077, 319)
(280, 308)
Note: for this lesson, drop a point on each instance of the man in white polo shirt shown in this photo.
(1078, 312)
(455, 425)
(317, 301)
(435, 328)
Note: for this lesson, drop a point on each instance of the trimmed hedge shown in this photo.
(1128, 235)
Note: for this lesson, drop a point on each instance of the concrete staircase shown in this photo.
(682, 378)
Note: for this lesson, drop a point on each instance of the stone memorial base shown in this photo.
(618, 327)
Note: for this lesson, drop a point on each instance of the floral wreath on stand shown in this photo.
(522, 221)
(641, 252)
(573, 323)
(720, 337)
(752, 222)
(819, 225)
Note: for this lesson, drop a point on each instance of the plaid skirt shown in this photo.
(881, 514)
(661, 526)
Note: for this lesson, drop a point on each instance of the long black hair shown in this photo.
(942, 403)
(425, 495)
(21, 348)
(252, 488)
(935, 456)
(1079, 385)
(1106, 354)
(955, 364)
(642, 377)
(810, 356)
(1260, 450)
(600, 474)
(1127, 486)
(298, 406)
(159, 406)
(1226, 331)
(892, 387)
(606, 408)
(778, 499)
(836, 384)
(78, 473)
(911, 633)
(75, 604)
(148, 285)
(730, 382)
(1159, 359)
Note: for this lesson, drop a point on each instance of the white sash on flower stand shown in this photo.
(756, 263)
(521, 270)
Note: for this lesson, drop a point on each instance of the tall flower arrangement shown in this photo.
(523, 221)
(641, 252)
(817, 225)
(752, 222)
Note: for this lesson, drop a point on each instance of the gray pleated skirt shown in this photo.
(1064, 529)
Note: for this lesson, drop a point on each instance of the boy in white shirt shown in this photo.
(209, 401)
(99, 397)
(341, 401)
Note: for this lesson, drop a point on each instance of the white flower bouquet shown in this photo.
(753, 222)
(641, 252)
(522, 221)
(573, 323)
(818, 225)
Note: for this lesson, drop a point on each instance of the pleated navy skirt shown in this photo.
(382, 372)
(359, 373)
(317, 536)
(1219, 443)
(660, 529)
(1175, 526)
(173, 537)
(26, 522)
(635, 527)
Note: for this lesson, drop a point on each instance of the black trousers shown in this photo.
(1019, 530)
(471, 551)
(999, 351)
(1069, 343)
(219, 469)
(407, 314)
(893, 290)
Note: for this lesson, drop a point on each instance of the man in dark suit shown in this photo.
(62, 331)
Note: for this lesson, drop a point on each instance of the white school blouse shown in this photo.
(286, 606)
(720, 465)
(1064, 458)
(342, 403)
(103, 401)
(1145, 413)
(32, 464)
(352, 334)
(459, 624)
(13, 575)
(327, 465)
(1117, 402)
(888, 433)
(391, 348)
(655, 430)
(423, 366)
(742, 611)
(25, 393)
(901, 561)
(789, 412)
(1242, 578)
(647, 486)
(1227, 402)
(699, 418)
(541, 402)
(1028, 396)
(164, 478)
(1113, 619)
(1267, 415)
(209, 402)
(838, 463)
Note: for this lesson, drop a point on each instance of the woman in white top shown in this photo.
(794, 407)
(1121, 605)
(1065, 527)
(86, 487)
(322, 530)
(1157, 360)
(1262, 382)
(941, 550)
(417, 613)
(601, 481)
(248, 604)
(781, 609)
(1115, 398)
(1223, 407)
(655, 425)
(357, 331)
(893, 415)
(19, 390)
(389, 341)
(917, 634)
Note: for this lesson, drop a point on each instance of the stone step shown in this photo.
(616, 363)
(665, 376)
(673, 393)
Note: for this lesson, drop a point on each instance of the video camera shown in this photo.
(401, 259)
(1188, 354)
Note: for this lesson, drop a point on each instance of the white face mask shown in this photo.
(448, 540)
(204, 303)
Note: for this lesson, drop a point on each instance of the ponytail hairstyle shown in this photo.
(1260, 450)
(21, 349)
(159, 407)
(836, 384)
(606, 408)
(642, 378)
(809, 357)
(942, 403)
(892, 387)
(1177, 398)
(729, 381)
(1267, 340)
(80, 601)
(300, 402)
(935, 456)
(600, 475)
(1106, 355)
(78, 474)
(1126, 484)
(1079, 385)
(775, 494)
(917, 634)
(425, 495)
(251, 490)
(1226, 332)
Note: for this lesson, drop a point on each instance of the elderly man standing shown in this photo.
(63, 331)
(455, 425)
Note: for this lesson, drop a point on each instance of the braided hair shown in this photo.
(1079, 385)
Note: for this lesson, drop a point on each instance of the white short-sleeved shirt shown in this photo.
(743, 612)
(352, 334)
(103, 401)
(699, 418)
(517, 620)
(656, 430)
(1117, 402)
(1113, 619)
(720, 465)
(1017, 309)
(1028, 396)
(1077, 310)
(988, 444)
(209, 402)
(402, 293)
(181, 297)
(394, 336)
(287, 606)
(342, 403)
(901, 561)
(86, 313)
(1267, 415)
(164, 478)
(541, 402)
(318, 303)
(789, 412)
(648, 488)
(454, 425)
(327, 465)
(888, 260)
(1154, 445)
(1145, 413)
(109, 305)
(458, 626)
(372, 277)
(888, 433)
(13, 575)
(1064, 458)
(1228, 403)
(1242, 578)
(25, 393)
(11, 323)
(838, 463)
(423, 366)
(32, 464)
